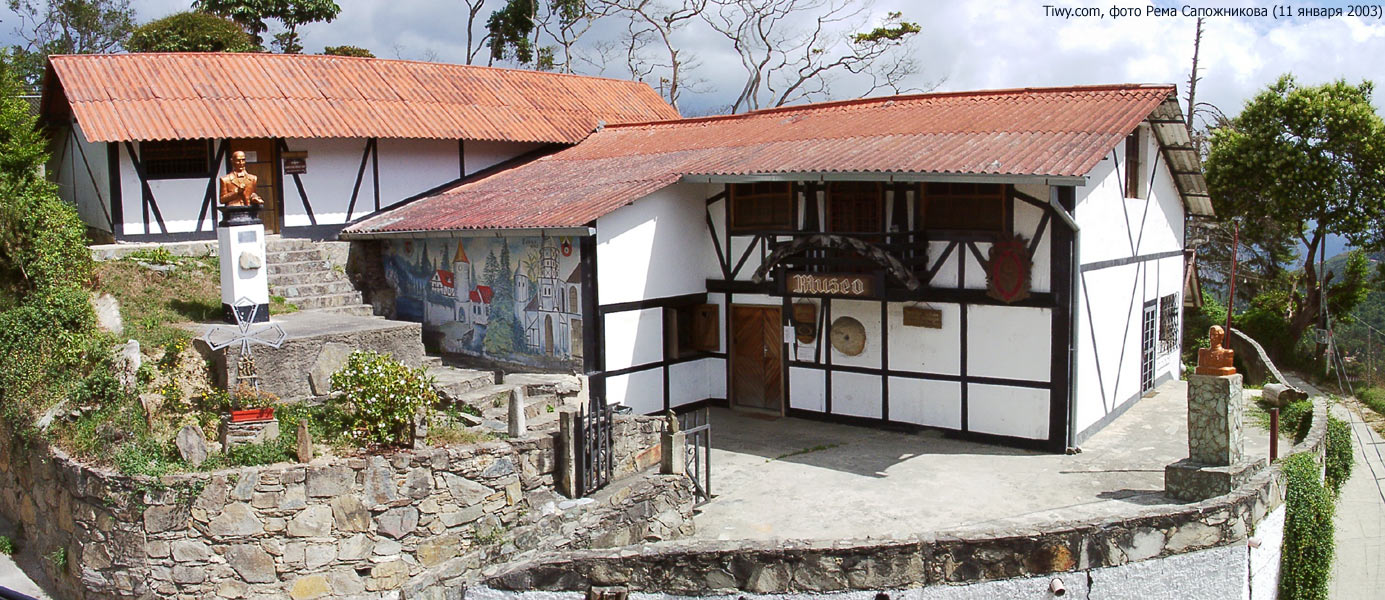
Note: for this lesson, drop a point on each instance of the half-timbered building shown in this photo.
(138, 140)
(1007, 265)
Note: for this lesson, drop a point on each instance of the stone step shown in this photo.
(274, 243)
(307, 276)
(303, 266)
(355, 310)
(293, 256)
(534, 407)
(452, 383)
(431, 361)
(485, 398)
(300, 290)
(537, 416)
(546, 384)
(328, 301)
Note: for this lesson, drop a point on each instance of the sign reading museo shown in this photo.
(830, 284)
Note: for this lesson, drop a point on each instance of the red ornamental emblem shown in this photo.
(566, 247)
(1007, 271)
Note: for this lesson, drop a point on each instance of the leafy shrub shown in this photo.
(1298, 418)
(158, 255)
(1340, 457)
(1306, 563)
(383, 397)
(1374, 398)
(6, 545)
(190, 32)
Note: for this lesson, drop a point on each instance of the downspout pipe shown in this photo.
(1073, 300)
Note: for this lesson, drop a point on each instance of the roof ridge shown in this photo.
(1113, 87)
(107, 56)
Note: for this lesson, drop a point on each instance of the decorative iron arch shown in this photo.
(876, 254)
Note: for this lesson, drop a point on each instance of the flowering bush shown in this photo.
(383, 397)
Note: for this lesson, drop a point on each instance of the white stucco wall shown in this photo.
(656, 247)
(406, 168)
(1112, 298)
(1264, 560)
(82, 172)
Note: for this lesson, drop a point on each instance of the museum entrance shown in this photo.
(262, 161)
(757, 352)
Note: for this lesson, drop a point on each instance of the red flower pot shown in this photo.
(252, 414)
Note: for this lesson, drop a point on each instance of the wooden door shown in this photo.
(262, 161)
(757, 380)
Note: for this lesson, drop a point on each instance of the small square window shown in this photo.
(964, 206)
(176, 159)
(767, 205)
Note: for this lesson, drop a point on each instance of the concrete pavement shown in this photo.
(1359, 572)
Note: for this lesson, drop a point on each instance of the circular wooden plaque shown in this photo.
(848, 336)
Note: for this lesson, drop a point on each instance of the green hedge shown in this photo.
(1340, 457)
(1306, 563)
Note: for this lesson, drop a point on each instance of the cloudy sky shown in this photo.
(963, 45)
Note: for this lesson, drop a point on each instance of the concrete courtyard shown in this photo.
(798, 479)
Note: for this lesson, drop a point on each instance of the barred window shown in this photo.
(765, 205)
(1168, 322)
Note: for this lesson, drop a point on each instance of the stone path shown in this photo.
(1359, 572)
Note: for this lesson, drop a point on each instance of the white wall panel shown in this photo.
(807, 389)
(856, 395)
(634, 337)
(925, 350)
(696, 380)
(332, 168)
(1027, 219)
(654, 248)
(1003, 410)
(642, 391)
(1010, 342)
(924, 402)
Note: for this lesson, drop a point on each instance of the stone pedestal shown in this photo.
(244, 277)
(1216, 462)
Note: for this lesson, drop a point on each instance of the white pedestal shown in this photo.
(244, 275)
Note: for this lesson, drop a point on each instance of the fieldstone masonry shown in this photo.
(422, 523)
(1216, 461)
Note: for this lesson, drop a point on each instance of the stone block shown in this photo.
(356, 547)
(191, 551)
(387, 576)
(252, 563)
(309, 587)
(350, 514)
(397, 522)
(314, 521)
(330, 359)
(166, 517)
(465, 491)
(238, 519)
(672, 455)
(1191, 481)
(326, 482)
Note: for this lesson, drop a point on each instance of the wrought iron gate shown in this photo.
(595, 440)
(697, 426)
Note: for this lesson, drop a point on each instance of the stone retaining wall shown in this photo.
(424, 521)
(708, 568)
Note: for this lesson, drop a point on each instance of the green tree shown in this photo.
(1311, 159)
(253, 14)
(190, 32)
(66, 27)
(348, 51)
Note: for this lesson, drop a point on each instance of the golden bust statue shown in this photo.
(238, 186)
(1216, 360)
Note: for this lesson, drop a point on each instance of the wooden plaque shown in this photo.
(923, 317)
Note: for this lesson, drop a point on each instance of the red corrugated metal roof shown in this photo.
(1047, 132)
(160, 96)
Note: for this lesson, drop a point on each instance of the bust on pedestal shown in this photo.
(1216, 462)
(241, 245)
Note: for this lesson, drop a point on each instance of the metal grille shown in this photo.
(1148, 340)
(697, 460)
(595, 461)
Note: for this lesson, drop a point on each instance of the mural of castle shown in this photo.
(520, 304)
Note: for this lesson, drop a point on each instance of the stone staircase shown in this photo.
(302, 274)
(545, 394)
